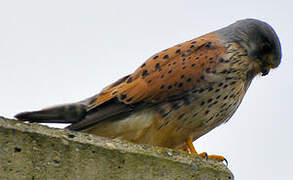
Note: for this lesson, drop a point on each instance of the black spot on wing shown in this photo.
(145, 73)
(155, 57)
(158, 66)
(166, 56)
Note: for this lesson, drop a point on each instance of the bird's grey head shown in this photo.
(259, 40)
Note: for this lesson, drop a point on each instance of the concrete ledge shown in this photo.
(32, 151)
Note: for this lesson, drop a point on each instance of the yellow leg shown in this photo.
(191, 147)
(203, 154)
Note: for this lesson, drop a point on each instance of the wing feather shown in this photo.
(166, 73)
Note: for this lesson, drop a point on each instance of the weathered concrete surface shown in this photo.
(32, 151)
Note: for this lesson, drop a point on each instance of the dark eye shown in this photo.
(266, 48)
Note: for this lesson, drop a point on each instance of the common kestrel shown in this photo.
(178, 94)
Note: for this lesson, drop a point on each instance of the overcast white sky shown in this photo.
(54, 52)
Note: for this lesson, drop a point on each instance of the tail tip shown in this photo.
(23, 116)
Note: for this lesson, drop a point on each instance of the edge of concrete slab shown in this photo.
(33, 151)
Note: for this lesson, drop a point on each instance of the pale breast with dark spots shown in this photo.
(209, 105)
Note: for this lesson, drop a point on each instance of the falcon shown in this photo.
(178, 94)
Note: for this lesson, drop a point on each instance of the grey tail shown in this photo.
(70, 113)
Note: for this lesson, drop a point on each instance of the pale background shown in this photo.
(54, 52)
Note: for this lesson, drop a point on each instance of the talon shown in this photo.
(226, 161)
(219, 158)
(192, 150)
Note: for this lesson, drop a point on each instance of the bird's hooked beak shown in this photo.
(269, 63)
(265, 70)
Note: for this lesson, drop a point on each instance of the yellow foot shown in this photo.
(203, 154)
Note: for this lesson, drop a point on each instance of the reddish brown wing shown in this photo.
(167, 73)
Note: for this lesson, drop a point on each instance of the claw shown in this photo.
(203, 154)
(219, 158)
(226, 161)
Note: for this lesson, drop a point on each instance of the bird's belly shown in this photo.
(142, 127)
